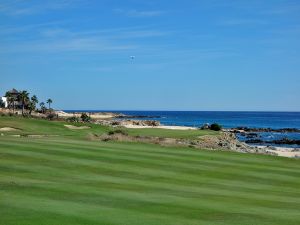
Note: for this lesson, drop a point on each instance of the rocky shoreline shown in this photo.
(283, 141)
(226, 141)
(248, 129)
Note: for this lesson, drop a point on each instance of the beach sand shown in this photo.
(282, 151)
(161, 127)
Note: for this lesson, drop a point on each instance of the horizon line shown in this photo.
(161, 110)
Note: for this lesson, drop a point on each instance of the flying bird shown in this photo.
(132, 57)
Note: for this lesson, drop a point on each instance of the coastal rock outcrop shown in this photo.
(225, 141)
(248, 129)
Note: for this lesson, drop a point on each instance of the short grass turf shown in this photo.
(69, 180)
(27, 126)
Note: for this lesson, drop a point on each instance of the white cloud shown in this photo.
(137, 13)
(57, 36)
(23, 8)
(79, 44)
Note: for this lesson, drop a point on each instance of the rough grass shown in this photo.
(157, 132)
(68, 180)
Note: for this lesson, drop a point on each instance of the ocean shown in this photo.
(274, 120)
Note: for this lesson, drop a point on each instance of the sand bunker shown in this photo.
(77, 128)
(8, 129)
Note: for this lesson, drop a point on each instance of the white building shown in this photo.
(4, 99)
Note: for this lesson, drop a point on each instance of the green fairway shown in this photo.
(69, 180)
(44, 127)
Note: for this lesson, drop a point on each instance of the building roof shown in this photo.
(13, 91)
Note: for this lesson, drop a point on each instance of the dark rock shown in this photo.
(285, 141)
(247, 129)
(251, 135)
(254, 141)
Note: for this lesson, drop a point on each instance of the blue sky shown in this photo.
(189, 55)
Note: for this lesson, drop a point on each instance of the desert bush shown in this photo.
(85, 118)
(51, 116)
(115, 123)
(25, 115)
(117, 131)
(205, 127)
(215, 127)
(73, 119)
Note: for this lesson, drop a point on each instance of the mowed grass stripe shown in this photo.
(162, 176)
(172, 167)
(119, 185)
(94, 213)
(265, 162)
(129, 185)
(124, 174)
(72, 151)
(154, 203)
(92, 168)
(175, 207)
(141, 173)
(152, 188)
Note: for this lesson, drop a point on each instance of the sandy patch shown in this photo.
(161, 127)
(100, 115)
(282, 151)
(8, 129)
(77, 128)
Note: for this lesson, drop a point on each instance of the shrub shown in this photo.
(73, 119)
(85, 118)
(215, 127)
(205, 127)
(2, 105)
(117, 131)
(51, 116)
(115, 123)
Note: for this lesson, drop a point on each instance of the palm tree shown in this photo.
(34, 99)
(31, 107)
(33, 102)
(24, 97)
(42, 104)
(49, 101)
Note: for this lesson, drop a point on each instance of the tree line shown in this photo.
(27, 102)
